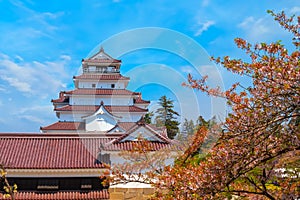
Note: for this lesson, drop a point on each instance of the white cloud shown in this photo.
(2, 88)
(40, 18)
(186, 69)
(65, 57)
(203, 27)
(260, 29)
(295, 10)
(3, 121)
(34, 78)
(32, 118)
(19, 58)
(247, 22)
(256, 26)
(43, 19)
(214, 77)
(19, 85)
(205, 3)
(36, 108)
(30, 28)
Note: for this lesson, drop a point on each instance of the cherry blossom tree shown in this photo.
(257, 155)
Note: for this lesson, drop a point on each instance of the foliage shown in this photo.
(258, 153)
(202, 122)
(148, 117)
(188, 127)
(208, 124)
(166, 116)
(9, 191)
(142, 164)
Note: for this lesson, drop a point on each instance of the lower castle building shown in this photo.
(96, 121)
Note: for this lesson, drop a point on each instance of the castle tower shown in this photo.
(100, 101)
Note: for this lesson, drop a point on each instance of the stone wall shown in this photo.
(136, 193)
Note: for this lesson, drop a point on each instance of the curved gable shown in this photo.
(101, 120)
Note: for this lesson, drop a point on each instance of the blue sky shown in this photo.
(42, 44)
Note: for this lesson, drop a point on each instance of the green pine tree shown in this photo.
(188, 127)
(167, 117)
(148, 117)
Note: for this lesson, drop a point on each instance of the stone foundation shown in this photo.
(134, 192)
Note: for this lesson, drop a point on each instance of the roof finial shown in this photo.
(101, 49)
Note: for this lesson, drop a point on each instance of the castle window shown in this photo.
(112, 85)
(86, 184)
(93, 85)
(47, 184)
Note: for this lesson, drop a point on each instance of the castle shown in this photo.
(96, 120)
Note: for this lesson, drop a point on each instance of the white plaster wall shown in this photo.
(89, 84)
(144, 106)
(125, 117)
(100, 123)
(72, 116)
(130, 117)
(95, 100)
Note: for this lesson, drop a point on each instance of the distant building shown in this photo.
(97, 120)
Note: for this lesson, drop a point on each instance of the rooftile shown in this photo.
(100, 92)
(40, 152)
(65, 126)
(101, 77)
(108, 108)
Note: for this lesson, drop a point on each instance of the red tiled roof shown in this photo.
(126, 125)
(61, 195)
(102, 60)
(64, 99)
(141, 101)
(100, 92)
(108, 108)
(64, 126)
(130, 145)
(101, 77)
(137, 125)
(42, 152)
(124, 109)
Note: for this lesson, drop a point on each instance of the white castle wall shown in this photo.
(95, 84)
(94, 100)
(101, 123)
(130, 117)
(124, 117)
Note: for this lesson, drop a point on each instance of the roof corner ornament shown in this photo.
(141, 122)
